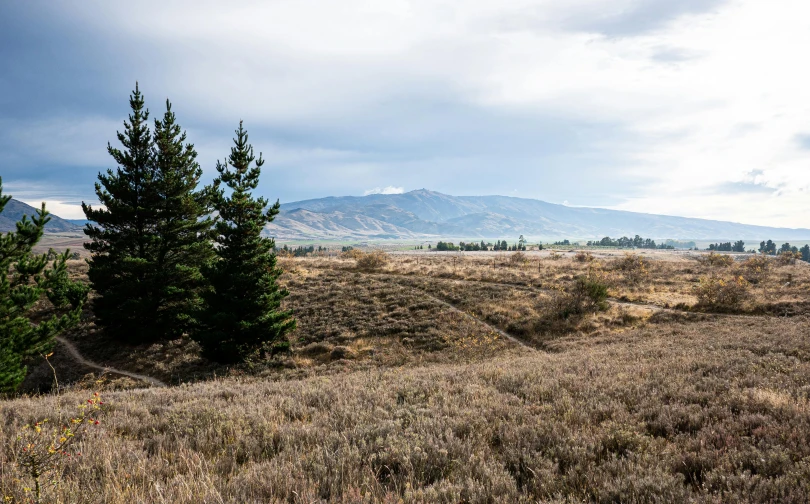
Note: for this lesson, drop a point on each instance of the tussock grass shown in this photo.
(706, 411)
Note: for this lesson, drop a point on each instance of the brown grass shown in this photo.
(389, 395)
(708, 411)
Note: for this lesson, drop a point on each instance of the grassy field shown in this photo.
(461, 378)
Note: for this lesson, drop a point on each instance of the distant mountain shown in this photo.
(15, 209)
(428, 214)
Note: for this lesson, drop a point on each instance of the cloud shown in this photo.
(646, 105)
(674, 55)
(803, 140)
(627, 18)
(385, 190)
(60, 208)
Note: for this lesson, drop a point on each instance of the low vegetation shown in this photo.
(698, 411)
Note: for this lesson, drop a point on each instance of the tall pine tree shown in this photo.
(123, 235)
(184, 229)
(152, 239)
(242, 312)
(24, 280)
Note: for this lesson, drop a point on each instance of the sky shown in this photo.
(699, 108)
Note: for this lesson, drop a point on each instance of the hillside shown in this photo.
(426, 214)
(14, 211)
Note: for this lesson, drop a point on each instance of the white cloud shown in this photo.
(385, 190)
(705, 92)
(59, 208)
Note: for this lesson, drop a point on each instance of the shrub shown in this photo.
(788, 258)
(634, 268)
(757, 268)
(587, 295)
(517, 259)
(717, 260)
(719, 294)
(583, 257)
(352, 253)
(43, 447)
(372, 260)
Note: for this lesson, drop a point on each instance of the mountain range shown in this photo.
(424, 214)
(15, 209)
(430, 215)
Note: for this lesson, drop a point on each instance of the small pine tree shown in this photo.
(24, 280)
(242, 312)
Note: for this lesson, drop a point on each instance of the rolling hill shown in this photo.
(428, 214)
(15, 209)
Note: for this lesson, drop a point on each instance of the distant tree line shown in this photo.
(626, 242)
(500, 245)
(303, 250)
(738, 246)
(769, 247)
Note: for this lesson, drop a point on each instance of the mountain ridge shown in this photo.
(429, 214)
(15, 209)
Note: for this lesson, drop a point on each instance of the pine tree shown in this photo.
(123, 235)
(183, 228)
(152, 239)
(24, 280)
(242, 312)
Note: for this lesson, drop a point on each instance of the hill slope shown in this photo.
(424, 213)
(14, 211)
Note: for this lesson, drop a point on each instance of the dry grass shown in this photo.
(707, 411)
(390, 395)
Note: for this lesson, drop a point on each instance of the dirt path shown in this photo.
(74, 353)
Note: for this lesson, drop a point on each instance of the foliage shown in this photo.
(518, 259)
(24, 280)
(44, 446)
(65, 292)
(788, 258)
(301, 250)
(242, 310)
(626, 242)
(589, 294)
(722, 295)
(738, 246)
(352, 253)
(150, 240)
(372, 260)
(716, 260)
(768, 247)
(445, 246)
(756, 268)
(583, 257)
(633, 267)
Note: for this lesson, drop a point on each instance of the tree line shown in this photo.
(500, 245)
(738, 246)
(168, 257)
(769, 247)
(627, 242)
(301, 250)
